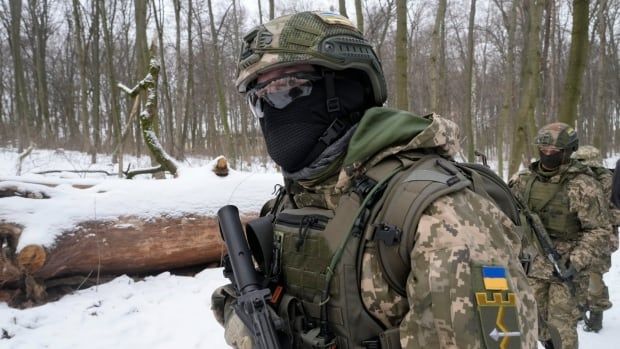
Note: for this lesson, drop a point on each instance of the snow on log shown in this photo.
(129, 245)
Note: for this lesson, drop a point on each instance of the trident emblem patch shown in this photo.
(497, 308)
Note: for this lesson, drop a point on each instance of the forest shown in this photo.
(499, 68)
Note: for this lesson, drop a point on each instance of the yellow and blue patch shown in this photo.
(494, 278)
(497, 307)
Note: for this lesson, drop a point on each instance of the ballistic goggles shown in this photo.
(281, 91)
(548, 149)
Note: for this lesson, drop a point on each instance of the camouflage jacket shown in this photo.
(456, 235)
(586, 201)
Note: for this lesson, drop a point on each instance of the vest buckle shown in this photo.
(388, 233)
(372, 343)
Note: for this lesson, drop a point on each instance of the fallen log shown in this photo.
(94, 249)
(129, 245)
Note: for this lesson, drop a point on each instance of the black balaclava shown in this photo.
(553, 161)
(291, 133)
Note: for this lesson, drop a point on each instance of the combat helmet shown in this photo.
(589, 156)
(322, 39)
(558, 134)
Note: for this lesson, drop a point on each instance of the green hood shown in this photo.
(384, 131)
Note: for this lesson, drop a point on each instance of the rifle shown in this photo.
(252, 304)
(565, 274)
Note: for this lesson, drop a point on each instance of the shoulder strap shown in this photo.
(406, 198)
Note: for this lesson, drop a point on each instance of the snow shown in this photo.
(162, 311)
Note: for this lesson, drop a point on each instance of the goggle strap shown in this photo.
(332, 102)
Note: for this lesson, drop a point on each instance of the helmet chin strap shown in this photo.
(340, 124)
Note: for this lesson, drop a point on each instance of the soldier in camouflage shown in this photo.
(569, 201)
(597, 296)
(316, 86)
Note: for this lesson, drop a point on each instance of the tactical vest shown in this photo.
(318, 252)
(551, 202)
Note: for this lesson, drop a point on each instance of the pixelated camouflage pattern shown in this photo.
(455, 232)
(557, 134)
(589, 156)
(585, 199)
(596, 294)
(556, 306)
(309, 38)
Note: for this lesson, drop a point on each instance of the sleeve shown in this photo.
(586, 200)
(457, 236)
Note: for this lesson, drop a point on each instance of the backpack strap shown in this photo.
(398, 213)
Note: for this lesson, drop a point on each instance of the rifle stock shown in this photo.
(252, 304)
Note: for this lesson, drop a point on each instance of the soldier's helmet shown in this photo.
(559, 135)
(589, 155)
(322, 39)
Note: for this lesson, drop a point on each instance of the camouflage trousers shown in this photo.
(557, 308)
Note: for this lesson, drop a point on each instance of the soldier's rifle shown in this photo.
(566, 275)
(252, 303)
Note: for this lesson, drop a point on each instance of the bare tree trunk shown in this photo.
(260, 12)
(96, 84)
(437, 55)
(178, 109)
(601, 138)
(359, 15)
(576, 62)
(402, 100)
(82, 62)
(142, 61)
(272, 11)
(22, 108)
(508, 98)
(219, 89)
(469, 69)
(342, 7)
(167, 100)
(114, 95)
(189, 87)
(525, 127)
(39, 18)
(147, 117)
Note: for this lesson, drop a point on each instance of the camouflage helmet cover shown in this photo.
(319, 38)
(589, 155)
(558, 134)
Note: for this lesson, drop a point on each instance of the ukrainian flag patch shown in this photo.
(494, 278)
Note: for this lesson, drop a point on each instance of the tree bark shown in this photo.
(82, 63)
(114, 93)
(342, 7)
(601, 136)
(22, 108)
(525, 128)
(359, 15)
(437, 56)
(402, 95)
(96, 84)
(576, 62)
(148, 117)
(219, 89)
(469, 72)
(508, 95)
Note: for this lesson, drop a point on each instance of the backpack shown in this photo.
(407, 196)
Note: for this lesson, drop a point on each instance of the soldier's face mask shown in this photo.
(551, 157)
(292, 112)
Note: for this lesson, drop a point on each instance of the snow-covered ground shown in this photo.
(163, 311)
